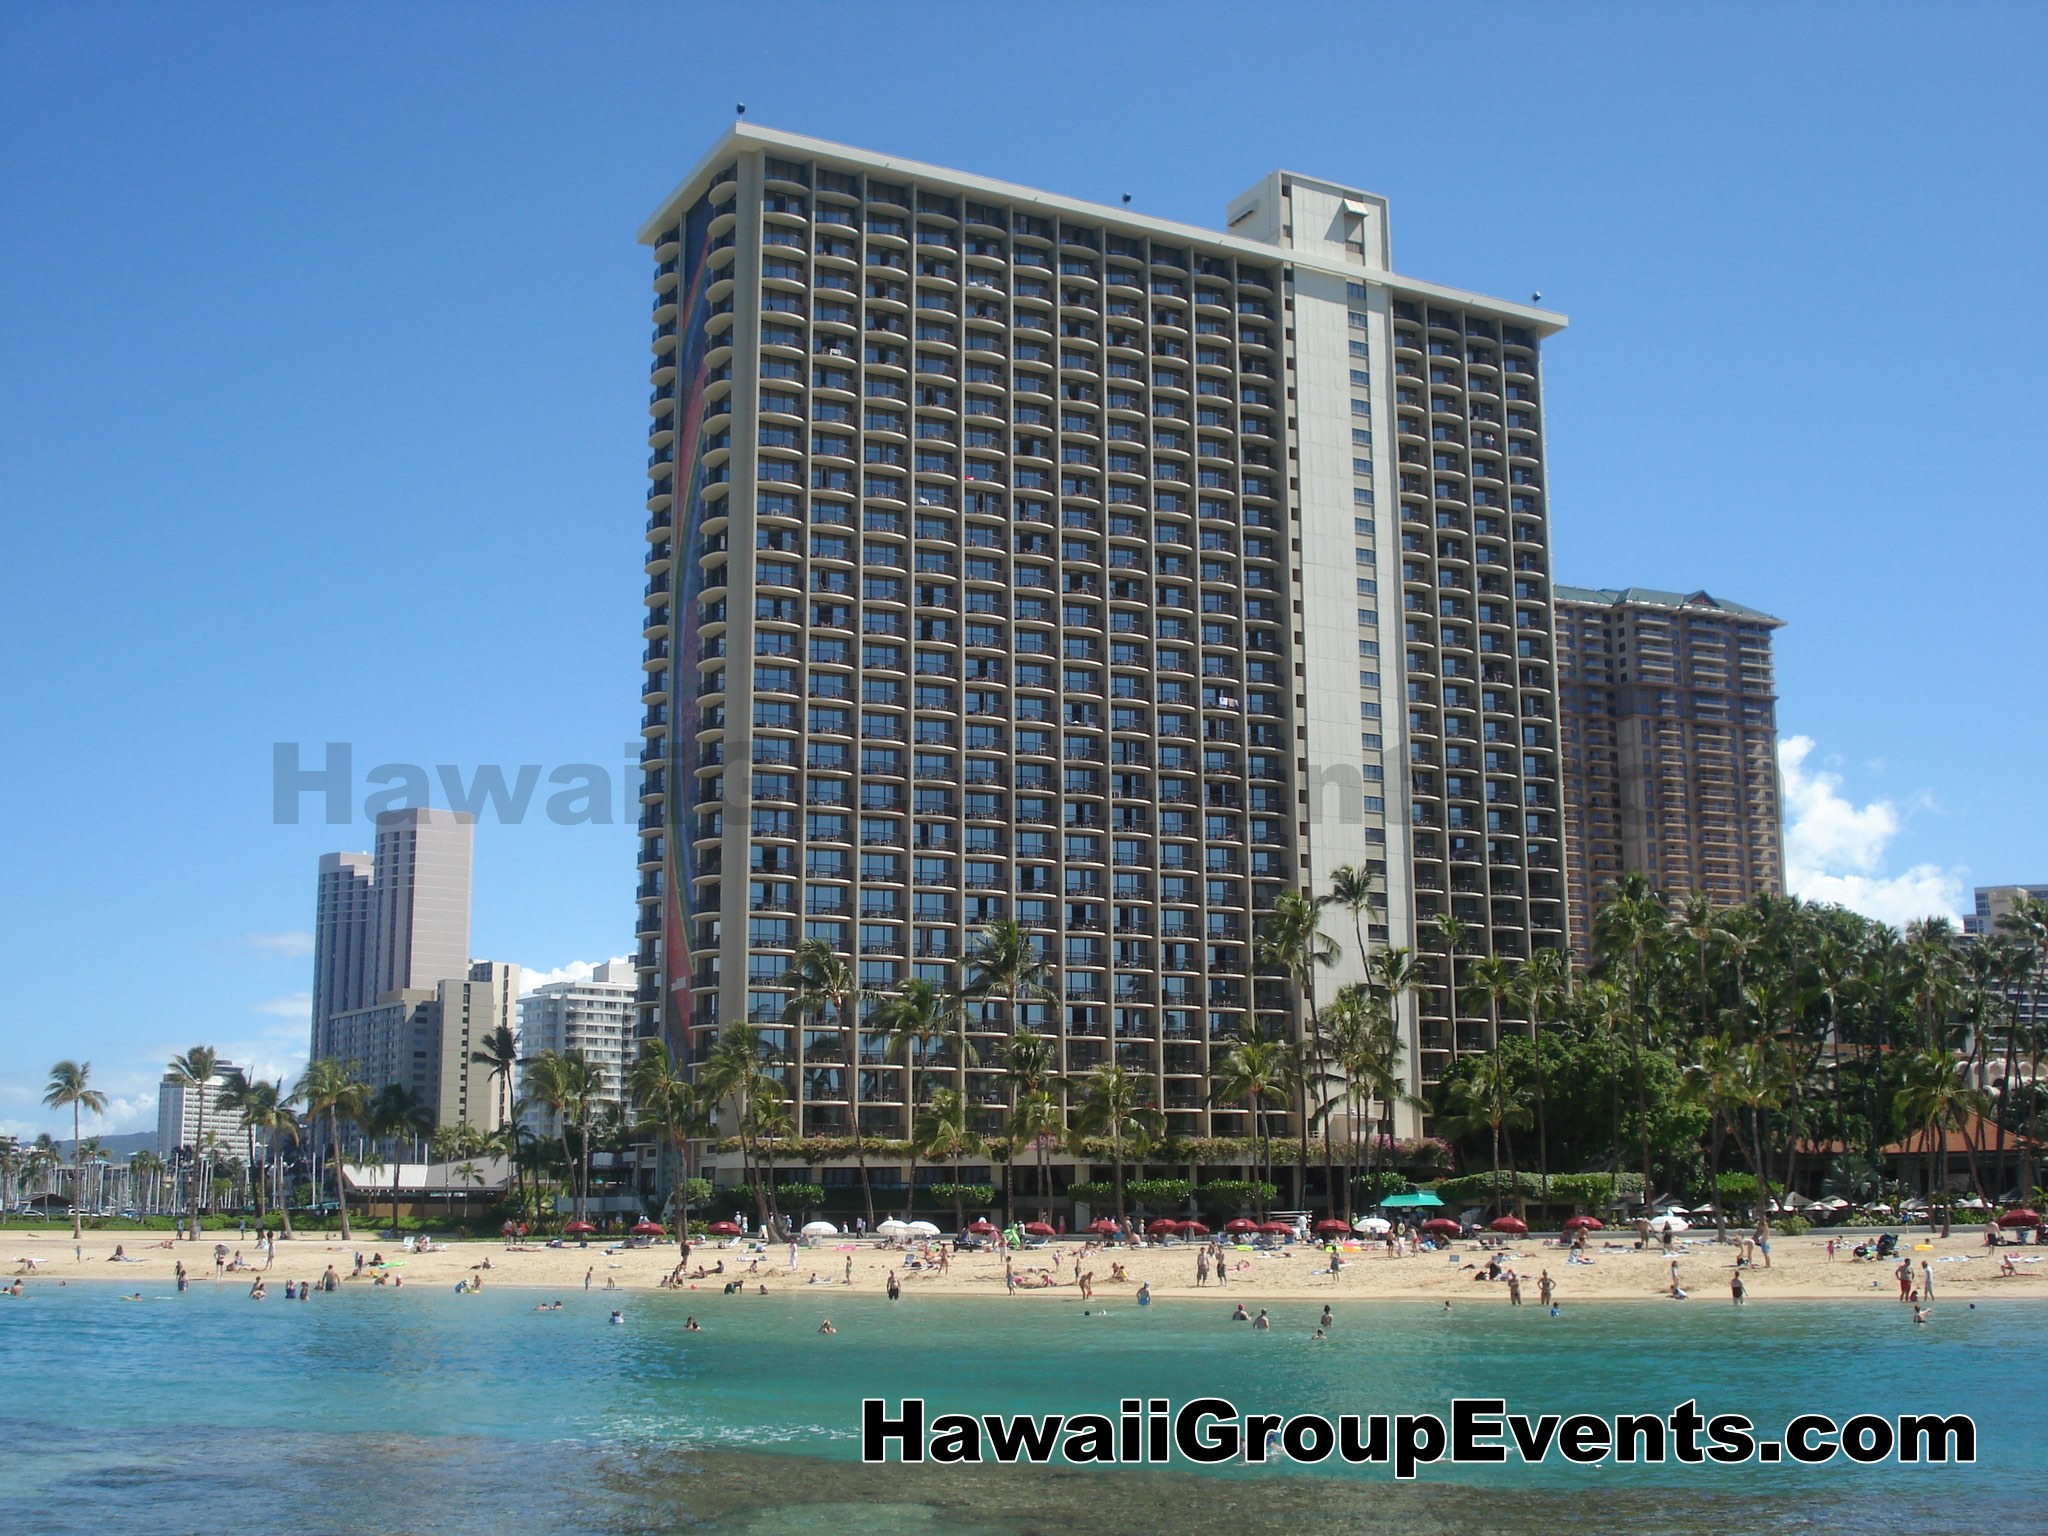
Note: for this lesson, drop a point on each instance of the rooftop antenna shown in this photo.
(740, 110)
(1535, 298)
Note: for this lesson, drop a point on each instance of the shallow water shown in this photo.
(375, 1411)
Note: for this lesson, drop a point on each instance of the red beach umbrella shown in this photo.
(1513, 1225)
(982, 1225)
(1241, 1224)
(1164, 1227)
(1441, 1224)
(1038, 1229)
(1105, 1226)
(646, 1227)
(1275, 1228)
(582, 1227)
(724, 1229)
(1333, 1228)
(1193, 1229)
(1583, 1224)
(2022, 1217)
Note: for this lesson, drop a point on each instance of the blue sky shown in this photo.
(324, 341)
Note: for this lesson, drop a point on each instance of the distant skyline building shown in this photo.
(1991, 903)
(394, 988)
(421, 1038)
(178, 1107)
(343, 925)
(1670, 732)
(421, 879)
(595, 1017)
(1016, 557)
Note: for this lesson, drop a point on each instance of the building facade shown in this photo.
(1012, 557)
(1991, 904)
(1670, 735)
(421, 1039)
(343, 925)
(421, 876)
(178, 1112)
(595, 1017)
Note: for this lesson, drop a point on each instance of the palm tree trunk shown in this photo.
(340, 1171)
(77, 1215)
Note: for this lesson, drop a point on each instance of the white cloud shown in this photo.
(575, 970)
(1834, 848)
(296, 943)
(297, 1006)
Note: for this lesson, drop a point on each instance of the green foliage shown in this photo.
(795, 1196)
(1229, 1194)
(1791, 1226)
(1091, 1191)
(1478, 1188)
(1738, 1188)
(1376, 1186)
(1595, 1191)
(1158, 1194)
(966, 1194)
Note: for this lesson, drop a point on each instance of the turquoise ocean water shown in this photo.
(375, 1411)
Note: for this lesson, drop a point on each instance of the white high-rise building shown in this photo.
(595, 1017)
(178, 1112)
(1012, 557)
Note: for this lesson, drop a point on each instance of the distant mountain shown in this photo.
(117, 1148)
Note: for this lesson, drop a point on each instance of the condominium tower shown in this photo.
(1010, 556)
(594, 1017)
(1670, 747)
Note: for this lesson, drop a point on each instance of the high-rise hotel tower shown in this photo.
(1011, 556)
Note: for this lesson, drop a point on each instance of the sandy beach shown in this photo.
(1799, 1269)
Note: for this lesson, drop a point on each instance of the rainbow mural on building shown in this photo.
(686, 582)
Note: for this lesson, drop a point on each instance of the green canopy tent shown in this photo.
(1420, 1199)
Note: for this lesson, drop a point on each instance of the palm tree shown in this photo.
(941, 1132)
(1627, 932)
(145, 1174)
(499, 1055)
(1365, 1051)
(670, 1105)
(71, 1088)
(1292, 941)
(1006, 963)
(331, 1088)
(1036, 1120)
(398, 1115)
(192, 1072)
(1545, 988)
(12, 1161)
(1487, 1099)
(1253, 1069)
(1115, 1105)
(1937, 1098)
(466, 1175)
(737, 1071)
(256, 1102)
(1028, 1060)
(825, 981)
(269, 1110)
(910, 1019)
(1352, 889)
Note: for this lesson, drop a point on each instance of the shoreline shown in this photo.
(1962, 1270)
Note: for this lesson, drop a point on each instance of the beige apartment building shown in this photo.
(1670, 747)
(1015, 557)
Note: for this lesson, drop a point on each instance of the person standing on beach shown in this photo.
(1926, 1280)
(1514, 1289)
(587, 1276)
(1736, 1291)
(1202, 1267)
(895, 1287)
(849, 1269)
(1545, 1288)
(1905, 1274)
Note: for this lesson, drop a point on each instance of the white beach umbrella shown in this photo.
(923, 1229)
(820, 1229)
(1669, 1223)
(892, 1227)
(1378, 1224)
